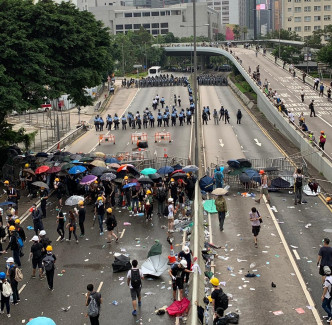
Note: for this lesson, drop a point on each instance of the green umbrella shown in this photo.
(86, 159)
(67, 166)
(209, 206)
(148, 171)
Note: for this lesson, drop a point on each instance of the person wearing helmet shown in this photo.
(322, 140)
(29, 178)
(111, 223)
(37, 257)
(186, 254)
(80, 213)
(49, 266)
(176, 273)
(173, 190)
(44, 240)
(264, 187)
(14, 245)
(36, 218)
(43, 200)
(11, 274)
(6, 291)
(59, 189)
(170, 214)
(99, 213)
(148, 200)
(219, 298)
(60, 219)
(20, 229)
(134, 199)
(126, 191)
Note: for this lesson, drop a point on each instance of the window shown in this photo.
(317, 8)
(176, 12)
(307, 0)
(164, 25)
(155, 25)
(137, 14)
(297, 0)
(119, 32)
(155, 13)
(297, 29)
(289, 9)
(155, 31)
(316, 18)
(289, 29)
(146, 14)
(119, 27)
(128, 14)
(297, 9)
(128, 26)
(327, 8)
(164, 31)
(307, 18)
(317, 28)
(307, 9)
(168, 13)
(307, 28)
(162, 13)
(327, 17)
(146, 25)
(137, 26)
(297, 19)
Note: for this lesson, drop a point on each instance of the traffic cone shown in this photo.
(171, 257)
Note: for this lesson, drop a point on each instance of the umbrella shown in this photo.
(75, 157)
(179, 175)
(209, 206)
(125, 167)
(88, 179)
(155, 265)
(280, 183)
(41, 154)
(244, 178)
(177, 308)
(66, 166)
(190, 168)
(113, 165)
(53, 170)
(253, 174)
(98, 171)
(98, 163)
(7, 203)
(121, 263)
(234, 163)
(177, 166)
(155, 249)
(86, 159)
(62, 173)
(130, 185)
(165, 170)
(148, 171)
(75, 161)
(98, 155)
(177, 171)
(206, 184)
(74, 199)
(155, 177)
(42, 169)
(219, 191)
(41, 321)
(107, 176)
(29, 170)
(40, 184)
(244, 163)
(76, 170)
(145, 180)
(112, 160)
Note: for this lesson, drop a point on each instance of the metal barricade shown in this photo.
(106, 138)
(162, 136)
(138, 136)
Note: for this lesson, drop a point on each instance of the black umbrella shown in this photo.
(145, 180)
(42, 154)
(244, 178)
(75, 157)
(177, 166)
(63, 153)
(98, 171)
(155, 177)
(179, 175)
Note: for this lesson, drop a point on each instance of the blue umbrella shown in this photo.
(165, 170)
(7, 203)
(111, 160)
(76, 161)
(130, 185)
(76, 170)
(253, 174)
(41, 321)
(206, 184)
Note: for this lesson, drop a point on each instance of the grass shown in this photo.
(134, 75)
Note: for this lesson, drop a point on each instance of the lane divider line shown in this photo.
(22, 288)
(296, 254)
(100, 285)
(122, 233)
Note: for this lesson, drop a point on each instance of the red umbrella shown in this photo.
(124, 167)
(177, 308)
(177, 171)
(42, 169)
(53, 170)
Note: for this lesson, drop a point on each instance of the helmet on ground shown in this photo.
(10, 260)
(184, 263)
(49, 248)
(80, 202)
(35, 238)
(17, 221)
(12, 228)
(214, 282)
(57, 179)
(26, 166)
(109, 210)
(42, 233)
(99, 198)
(126, 177)
(148, 192)
(6, 182)
(2, 275)
(261, 172)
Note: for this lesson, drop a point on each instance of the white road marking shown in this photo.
(324, 121)
(258, 143)
(296, 254)
(58, 238)
(22, 288)
(122, 233)
(100, 285)
(221, 143)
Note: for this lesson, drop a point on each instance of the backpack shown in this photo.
(222, 300)
(219, 205)
(166, 210)
(161, 194)
(93, 308)
(135, 278)
(298, 182)
(6, 289)
(18, 274)
(48, 262)
(232, 318)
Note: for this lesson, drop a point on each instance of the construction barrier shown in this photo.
(130, 156)
(107, 138)
(142, 136)
(162, 136)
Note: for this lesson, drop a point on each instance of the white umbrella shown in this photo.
(73, 200)
(155, 265)
(219, 191)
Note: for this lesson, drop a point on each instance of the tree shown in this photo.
(289, 54)
(284, 35)
(221, 37)
(244, 30)
(325, 54)
(237, 32)
(170, 38)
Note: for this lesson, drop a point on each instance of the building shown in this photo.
(306, 16)
(177, 19)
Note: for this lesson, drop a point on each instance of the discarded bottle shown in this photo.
(252, 265)
(115, 303)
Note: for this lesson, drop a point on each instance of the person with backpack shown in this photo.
(111, 223)
(148, 200)
(49, 266)
(326, 296)
(264, 187)
(71, 225)
(221, 207)
(93, 302)
(219, 298)
(322, 140)
(219, 317)
(161, 197)
(14, 245)
(134, 281)
(37, 257)
(15, 275)
(298, 183)
(36, 218)
(6, 292)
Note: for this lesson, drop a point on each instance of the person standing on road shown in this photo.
(59, 189)
(36, 256)
(72, 226)
(221, 207)
(256, 220)
(170, 215)
(322, 140)
(226, 116)
(177, 275)
(238, 116)
(326, 296)
(186, 254)
(161, 197)
(36, 218)
(99, 213)
(324, 257)
(316, 83)
(43, 200)
(298, 183)
(219, 297)
(321, 90)
(80, 213)
(60, 219)
(303, 76)
(148, 200)
(6, 292)
(204, 117)
(93, 302)
(264, 187)
(11, 273)
(215, 117)
(14, 245)
(134, 281)
(111, 223)
(302, 95)
(222, 113)
(219, 178)
(49, 266)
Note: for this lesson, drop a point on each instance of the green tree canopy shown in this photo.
(284, 35)
(289, 54)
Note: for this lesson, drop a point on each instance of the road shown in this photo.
(290, 89)
(90, 260)
(271, 259)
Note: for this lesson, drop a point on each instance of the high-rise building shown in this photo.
(306, 16)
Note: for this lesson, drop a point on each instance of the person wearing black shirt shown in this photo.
(14, 246)
(37, 257)
(11, 272)
(43, 200)
(99, 213)
(97, 296)
(61, 224)
(81, 217)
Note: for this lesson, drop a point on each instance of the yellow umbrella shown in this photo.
(98, 154)
(98, 163)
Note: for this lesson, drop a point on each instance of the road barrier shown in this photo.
(139, 136)
(106, 138)
(162, 136)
